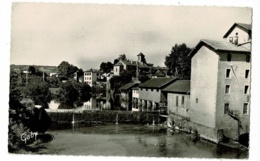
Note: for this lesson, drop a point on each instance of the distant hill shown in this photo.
(37, 67)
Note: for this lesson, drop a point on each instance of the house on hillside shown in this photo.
(159, 73)
(150, 93)
(92, 76)
(220, 85)
(50, 71)
(135, 66)
(126, 96)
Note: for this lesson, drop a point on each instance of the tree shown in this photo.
(106, 67)
(98, 90)
(67, 70)
(115, 83)
(122, 57)
(38, 91)
(142, 78)
(73, 94)
(178, 61)
(31, 70)
(15, 92)
(53, 81)
(80, 72)
(124, 78)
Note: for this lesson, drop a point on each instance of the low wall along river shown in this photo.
(105, 116)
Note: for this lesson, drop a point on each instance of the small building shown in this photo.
(134, 66)
(178, 98)
(159, 73)
(150, 93)
(91, 76)
(126, 96)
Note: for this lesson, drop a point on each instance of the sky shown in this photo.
(87, 34)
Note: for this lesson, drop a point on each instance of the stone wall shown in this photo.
(204, 132)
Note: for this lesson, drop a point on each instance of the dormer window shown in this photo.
(231, 39)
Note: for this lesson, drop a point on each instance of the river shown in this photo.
(131, 140)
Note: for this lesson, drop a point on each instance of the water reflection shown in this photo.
(133, 140)
(95, 103)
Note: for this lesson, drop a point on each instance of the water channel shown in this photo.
(131, 140)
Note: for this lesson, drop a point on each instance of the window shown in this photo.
(226, 108)
(248, 57)
(228, 75)
(157, 90)
(177, 103)
(245, 108)
(146, 89)
(151, 89)
(229, 57)
(246, 89)
(246, 73)
(231, 39)
(227, 89)
(182, 100)
(197, 100)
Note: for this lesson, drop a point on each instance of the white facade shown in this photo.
(135, 98)
(178, 104)
(116, 70)
(204, 77)
(237, 33)
(91, 77)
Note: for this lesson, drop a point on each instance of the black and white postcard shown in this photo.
(131, 80)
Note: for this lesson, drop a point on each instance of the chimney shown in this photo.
(235, 40)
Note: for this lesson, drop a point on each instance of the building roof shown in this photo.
(135, 88)
(128, 86)
(179, 86)
(219, 46)
(160, 73)
(140, 54)
(48, 69)
(243, 26)
(132, 63)
(157, 82)
(93, 70)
